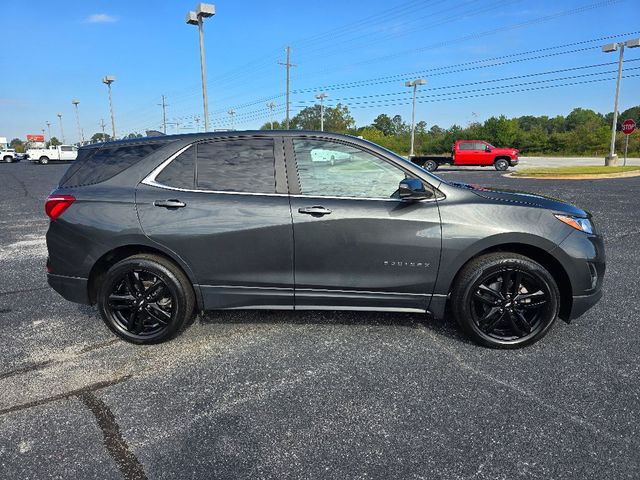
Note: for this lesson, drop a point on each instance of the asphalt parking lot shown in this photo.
(315, 394)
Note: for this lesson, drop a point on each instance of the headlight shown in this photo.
(582, 224)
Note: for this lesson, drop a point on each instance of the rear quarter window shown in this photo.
(98, 164)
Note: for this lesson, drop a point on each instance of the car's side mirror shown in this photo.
(413, 189)
(487, 148)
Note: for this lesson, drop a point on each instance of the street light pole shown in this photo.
(414, 84)
(108, 80)
(203, 10)
(271, 106)
(75, 102)
(321, 97)
(49, 129)
(612, 159)
(61, 129)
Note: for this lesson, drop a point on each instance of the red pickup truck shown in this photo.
(472, 152)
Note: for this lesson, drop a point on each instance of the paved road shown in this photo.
(315, 395)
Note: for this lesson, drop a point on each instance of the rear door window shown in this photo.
(242, 165)
(465, 146)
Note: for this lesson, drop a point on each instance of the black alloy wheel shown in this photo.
(505, 300)
(146, 299)
(141, 303)
(509, 304)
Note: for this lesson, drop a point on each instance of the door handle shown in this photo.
(315, 210)
(171, 203)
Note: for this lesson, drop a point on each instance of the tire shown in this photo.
(44, 160)
(431, 165)
(501, 164)
(8, 159)
(501, 314)
(145, 299)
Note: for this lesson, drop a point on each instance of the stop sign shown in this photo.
(628, 126)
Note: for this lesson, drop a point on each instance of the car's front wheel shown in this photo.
(145, 299)
(505, 300)
(8, 159)
(44, 160)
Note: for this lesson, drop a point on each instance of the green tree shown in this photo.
(100, 137)
(17, 144)
(384, 124)
(54, 142)
(336, 119)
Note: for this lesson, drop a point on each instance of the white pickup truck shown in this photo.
(61, 153)
(7, 154)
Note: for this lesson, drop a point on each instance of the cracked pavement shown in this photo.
(266, 394)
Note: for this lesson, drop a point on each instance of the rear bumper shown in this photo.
(582, 303)
(71, 288)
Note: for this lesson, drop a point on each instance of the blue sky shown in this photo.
(359, 52)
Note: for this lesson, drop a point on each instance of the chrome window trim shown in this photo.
(151, 181)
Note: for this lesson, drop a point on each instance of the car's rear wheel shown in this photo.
(505, 300)
(8, 159)
(431, 165)
(44, 160)
(501, 164)
(145, 299)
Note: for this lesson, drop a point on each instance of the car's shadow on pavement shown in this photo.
(445, 327)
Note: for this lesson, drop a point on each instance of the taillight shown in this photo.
(57, 204)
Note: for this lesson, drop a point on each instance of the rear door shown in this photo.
(357, 245)
(222, 206)
(67, 152)
(464, 154)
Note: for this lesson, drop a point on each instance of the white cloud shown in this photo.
(100, 18)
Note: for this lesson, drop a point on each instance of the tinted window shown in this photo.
(465, 146)
(66, 149)
(180, 173)
(333, 169)
(480, 146)
(246, 165)
(104, 162)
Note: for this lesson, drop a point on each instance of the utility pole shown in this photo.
(288, 66)
(102, 124)
(49, 128)
(197, 120)
(61, 129)
(414, 84)
(164, 114)
(75, 102)
(203, 10)
(271, 106)
(108, 80)
(232, 113)
(612, 159)
(321, 97)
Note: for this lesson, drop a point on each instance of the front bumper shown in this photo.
(582, 303)
(73, 289)
(514, 161)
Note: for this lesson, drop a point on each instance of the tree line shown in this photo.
(583, 132)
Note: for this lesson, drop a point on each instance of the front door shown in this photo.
(357, 245)
(218, 206)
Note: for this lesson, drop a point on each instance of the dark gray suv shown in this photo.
(155, 230)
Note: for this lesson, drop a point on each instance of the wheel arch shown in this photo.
(113, 256)
(537, 253)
